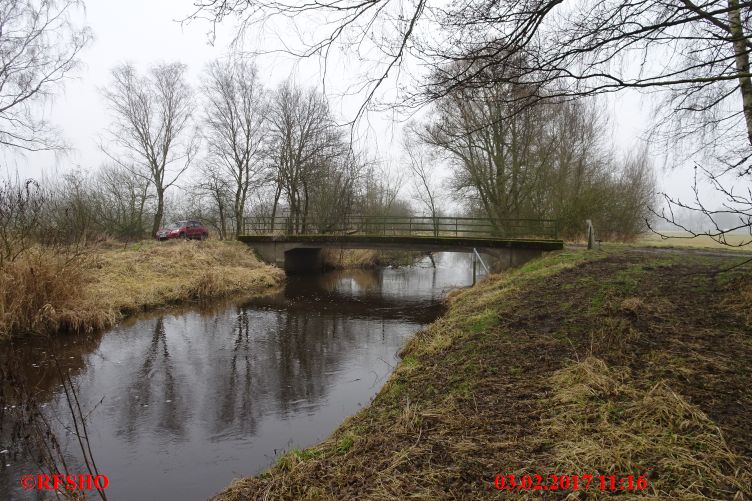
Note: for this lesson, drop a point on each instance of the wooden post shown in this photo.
(590, 236)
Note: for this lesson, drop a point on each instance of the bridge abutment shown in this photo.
(290, 257)
(510, 258)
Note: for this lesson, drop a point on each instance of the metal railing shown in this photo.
(420, 226)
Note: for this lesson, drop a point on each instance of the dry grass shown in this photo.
(739, 299)
(608, 426)
(338, 259)
(40, 293)
(152, 274)
(633, 305)
(44, 292)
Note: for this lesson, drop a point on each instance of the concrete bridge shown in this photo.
(296, 246)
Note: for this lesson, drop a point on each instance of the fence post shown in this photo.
(590, 236)
(473, 267)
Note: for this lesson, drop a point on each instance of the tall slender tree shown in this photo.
(304, 142)
(153, 132)
(235, 127)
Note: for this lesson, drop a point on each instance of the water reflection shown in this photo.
(182, 403)
(153, 384)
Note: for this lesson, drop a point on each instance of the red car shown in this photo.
(184, 229)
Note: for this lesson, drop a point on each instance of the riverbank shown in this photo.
(617, 362)
(45, 292)
(344, 259)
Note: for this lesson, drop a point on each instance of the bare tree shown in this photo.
(71, 215)
(39, 48)
(333, 189)
(380, 187)
(235, 121)
(695, 218)
(121, 201)
(576, 46)
(214, 185)
(153, 127)
(544, 160)
(498, 150)
(636, 193)
(422, 168)
(304, 141)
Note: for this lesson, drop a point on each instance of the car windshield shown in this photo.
(175, 226)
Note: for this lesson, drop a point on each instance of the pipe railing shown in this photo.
(417, 226)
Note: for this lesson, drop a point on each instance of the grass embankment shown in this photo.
(338, 259)
(43, 292)
(623, 363)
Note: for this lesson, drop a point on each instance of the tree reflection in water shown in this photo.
(153, 390)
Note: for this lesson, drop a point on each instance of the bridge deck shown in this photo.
(296, 244)
(460, 243)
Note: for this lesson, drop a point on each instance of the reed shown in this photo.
(40, 293)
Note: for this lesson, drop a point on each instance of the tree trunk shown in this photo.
(742, 63)
(222, 222)
(140, 214)
(159, 214)
(239, 207)
(305, 208)
(277, 194)
(239, 220)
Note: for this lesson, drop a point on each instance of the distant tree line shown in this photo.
(266, 152)
(232, 149)
(237, 149)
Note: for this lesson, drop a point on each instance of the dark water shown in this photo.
(182, 403)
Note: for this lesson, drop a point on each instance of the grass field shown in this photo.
(580, 363)
(736, 241)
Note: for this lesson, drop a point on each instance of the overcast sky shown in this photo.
(145, 32)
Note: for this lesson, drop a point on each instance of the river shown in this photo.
(181, 402)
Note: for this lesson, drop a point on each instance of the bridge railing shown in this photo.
(419, 226)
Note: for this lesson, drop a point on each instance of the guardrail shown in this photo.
(420, 226)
